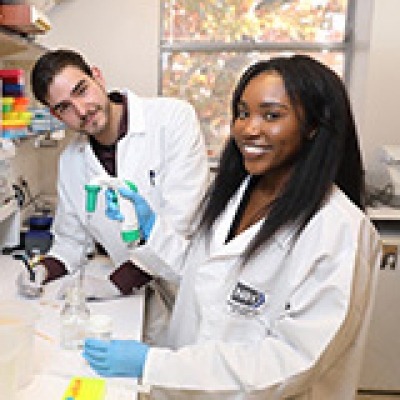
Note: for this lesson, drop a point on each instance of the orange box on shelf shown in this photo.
(20, 104)
(19, 107)
(21, 101)
(24, 18)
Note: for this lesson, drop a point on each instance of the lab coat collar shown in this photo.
(238, 245)
(136, 121)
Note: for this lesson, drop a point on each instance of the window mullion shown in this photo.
(214, 47)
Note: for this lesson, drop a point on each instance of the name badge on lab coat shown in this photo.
(246, 300)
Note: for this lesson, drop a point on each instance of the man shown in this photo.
(154, 143)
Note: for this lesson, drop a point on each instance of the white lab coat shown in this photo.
(305, 343)
(163, 137)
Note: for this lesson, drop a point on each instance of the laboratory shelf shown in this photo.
(384, 213)
(12, 43)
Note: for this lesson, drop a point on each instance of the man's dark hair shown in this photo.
(49, 65)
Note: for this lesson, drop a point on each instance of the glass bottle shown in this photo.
(74, 318)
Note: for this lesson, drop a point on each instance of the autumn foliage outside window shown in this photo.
(205, 45)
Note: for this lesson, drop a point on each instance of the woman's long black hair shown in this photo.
(332, 155)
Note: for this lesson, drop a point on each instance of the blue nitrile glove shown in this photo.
(112, 206)
(145, 214)
(116, 357)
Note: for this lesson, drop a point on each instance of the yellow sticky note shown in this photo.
(82, 388)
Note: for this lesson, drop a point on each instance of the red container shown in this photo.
(11, 73)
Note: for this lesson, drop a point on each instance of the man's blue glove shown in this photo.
(112, 207)
(145, 214)
(116, 357)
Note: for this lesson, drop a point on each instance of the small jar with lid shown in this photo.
(99, 327)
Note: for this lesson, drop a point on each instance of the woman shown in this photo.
(276, 284)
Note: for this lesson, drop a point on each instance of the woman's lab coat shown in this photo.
(163, 153)
(304, 342)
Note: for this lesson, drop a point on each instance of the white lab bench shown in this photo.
(53, 366)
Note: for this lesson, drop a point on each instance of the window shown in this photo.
(206, 44)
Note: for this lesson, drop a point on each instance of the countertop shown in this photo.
(53, 366)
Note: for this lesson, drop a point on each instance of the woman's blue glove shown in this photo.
(112, 207)
(116, 357)
(145, 214)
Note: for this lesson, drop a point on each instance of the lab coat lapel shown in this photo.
(130, 150)
(236, 246)
(136, 120)
(93, 166)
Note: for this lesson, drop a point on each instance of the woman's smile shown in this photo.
(254, 150)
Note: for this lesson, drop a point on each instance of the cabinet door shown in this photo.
(381, 365)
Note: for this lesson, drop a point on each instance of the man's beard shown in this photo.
(96, 129)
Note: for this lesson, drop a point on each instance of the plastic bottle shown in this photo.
(130, 232)
(74, 319)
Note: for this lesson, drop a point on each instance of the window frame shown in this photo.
(346, 47)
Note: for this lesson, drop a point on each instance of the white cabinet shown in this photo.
(381, 366)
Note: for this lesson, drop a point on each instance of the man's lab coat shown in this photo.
(304, 342)
(163, 154)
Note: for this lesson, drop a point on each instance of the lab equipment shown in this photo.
(145, 214)
(391, 157)
(74, 317)
(83, 388)
(39, 234)
(24, 259)
(129, 230)
(116, 357)
(30, 281)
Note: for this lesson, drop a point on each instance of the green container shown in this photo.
(7, 108)
(91, 197)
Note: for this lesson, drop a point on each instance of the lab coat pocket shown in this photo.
(227, 324)
(152, 190)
